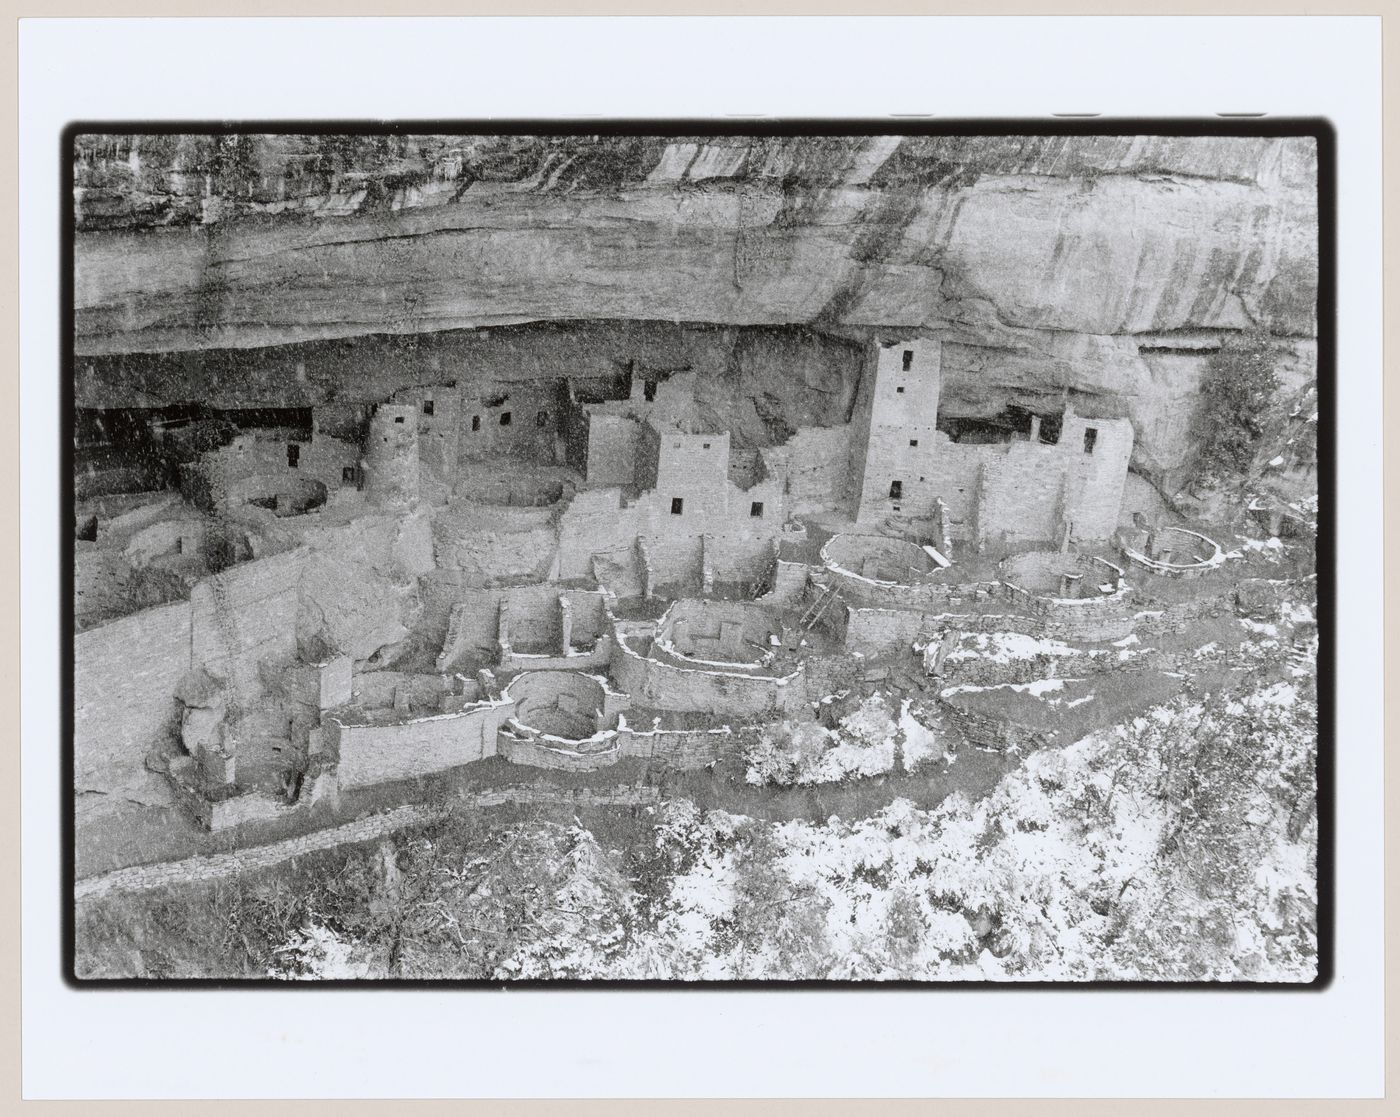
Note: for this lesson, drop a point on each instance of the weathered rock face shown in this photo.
(1104, 236)
(1087, 265)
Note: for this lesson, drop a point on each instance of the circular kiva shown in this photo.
(1063, 578)
(563, 705)
(878, 559)
(1178, 553)
(279, 494)
(717, 634)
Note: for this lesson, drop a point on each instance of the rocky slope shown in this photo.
(1088, 264)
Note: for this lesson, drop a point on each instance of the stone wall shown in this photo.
(899, 409)
(666, 686)
(490, 544)
(733, 635)
(815, 463)
(539, 752)
(610, 449)
(391, 465)
(439, 408)
(1024, 493)
(257, 462)
(1179, 553)
(876, 632)
(415, 746)
(680, 748)
(789, 583)
(514, 419)
(568, 704)
(596, 524)
(534, 625)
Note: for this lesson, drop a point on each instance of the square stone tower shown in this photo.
(896, 421)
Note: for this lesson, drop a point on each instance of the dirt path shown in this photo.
(212, 866)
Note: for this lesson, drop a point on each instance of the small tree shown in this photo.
(1239, 389)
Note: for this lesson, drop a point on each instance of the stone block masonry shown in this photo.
(667, 686)
(897, 415)
(414, 746)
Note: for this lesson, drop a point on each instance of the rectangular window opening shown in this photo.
(398, 418)
(913, 442)
(293, 455)
(706, 446)
(542, 419)
(649, 390)
(677, 505)
(476, 422)
(896, 490)
(505, 418)
(900, 390)
(756, 509)
(1091, 436)
(908, 359)
(427, 407)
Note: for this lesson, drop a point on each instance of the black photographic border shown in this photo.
(1242, 126)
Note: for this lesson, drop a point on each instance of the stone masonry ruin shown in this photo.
(495, 544)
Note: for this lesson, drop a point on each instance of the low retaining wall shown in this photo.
(680, 748)
(539, 750)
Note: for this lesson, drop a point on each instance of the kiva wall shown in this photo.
(666, 686)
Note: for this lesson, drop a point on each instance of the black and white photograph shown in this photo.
(606, 554)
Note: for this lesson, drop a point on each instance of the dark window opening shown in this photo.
(896, 490)
(1091, 435)
(398, 418)
(87, 529)
(427, 407)
(293, 455)
(476, 422)
(347, 473)
(505, 418)
(913, 442)
(706, 446)
(900, 390)
(756, 508)
(908, 359)
(289, 418)
(677, 505)
(1007, 426)
(495, 401)
(542, 419)
(896, 507)
(649, 390)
